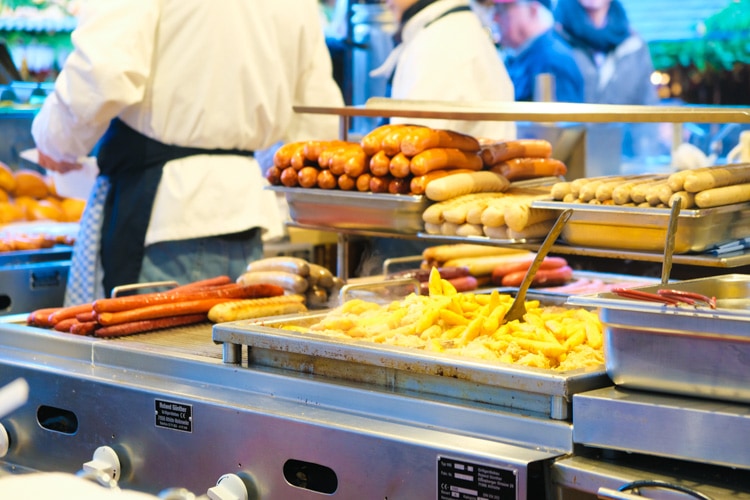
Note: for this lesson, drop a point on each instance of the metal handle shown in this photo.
(674, 216)
(388, 263)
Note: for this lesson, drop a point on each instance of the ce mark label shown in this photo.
(173, 415)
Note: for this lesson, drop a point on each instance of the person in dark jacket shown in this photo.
(614, 60)
(533, 48)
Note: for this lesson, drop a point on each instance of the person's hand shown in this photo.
(58, 166)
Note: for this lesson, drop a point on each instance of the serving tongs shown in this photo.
(518, 307)
(667, 295)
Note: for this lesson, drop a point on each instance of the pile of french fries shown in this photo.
(472, 325)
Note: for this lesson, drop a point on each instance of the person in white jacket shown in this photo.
(179, 94)
(444, 53)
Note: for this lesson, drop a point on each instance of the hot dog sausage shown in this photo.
(380, 184)
(178, 308)
(313, 149)
(40, 317)
(289, 177)
(233, 291)
(68, 312)
(326, 180)
(398, 186)
(133, 327)
(400, 166)
(545, 277)
(346, 182)
(273, 175)
(363, 182)
(373, 141)
(517, 169)
(380, 164)
(208, 282)
(503, 269)
(351, 153)
(307, 177)
(492, 154)
(424, 138)
(392, 141)
(290, 282)
(440, 158)
(282, 158)
(281, 263)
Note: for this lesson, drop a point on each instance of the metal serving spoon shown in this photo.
(518, 307)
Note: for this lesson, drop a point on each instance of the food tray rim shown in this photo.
(651, 211)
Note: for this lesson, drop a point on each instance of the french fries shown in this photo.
(471, 325)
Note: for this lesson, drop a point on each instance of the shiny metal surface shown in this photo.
(592, 470)
(691, 350)
(636, 421)
(435, 376)
(633, 228)
(538, 111)
(365, 211)
(246, 420)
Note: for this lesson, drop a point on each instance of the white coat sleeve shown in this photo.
(315, 86)
(106, 72)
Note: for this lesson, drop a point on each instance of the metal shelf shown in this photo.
(537, 112)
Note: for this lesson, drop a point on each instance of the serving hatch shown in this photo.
(532, 391)
(692, 350)
(645, 229)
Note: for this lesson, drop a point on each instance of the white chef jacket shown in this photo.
(451, 59)
(214, 75)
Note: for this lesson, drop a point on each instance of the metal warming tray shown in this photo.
(361, 211)
(696, 351)
(633, 228)
(534, 391)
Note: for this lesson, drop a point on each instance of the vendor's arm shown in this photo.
(105, 73)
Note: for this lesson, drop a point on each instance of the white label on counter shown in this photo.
(461, 480)
(177, 416)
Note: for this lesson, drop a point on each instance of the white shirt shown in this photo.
(451, 59)
(215, 75)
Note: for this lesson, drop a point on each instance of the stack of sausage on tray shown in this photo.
(216, 299)
(704, 187)
(404, 159)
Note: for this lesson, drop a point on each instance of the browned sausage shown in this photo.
(346, 183)
(308, 177)
(392, 141)
(232, 291)
(351, 152)
(326, 179)
(373, 141)
(380, 164)
(517, 169)
(498, 152)
(424, 138)
(400, 166)
(380, 184)
(133, 327)
(439, 158)
(313, 149)
(398, 185)
(68, 312)
(178, 308)
(273, 175)
(363, 182)
(204, 283)
(289, 177)
(282, 158)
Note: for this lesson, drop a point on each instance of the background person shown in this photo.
(614, 60)
(533, 47)
(444, 53)
(185, 91)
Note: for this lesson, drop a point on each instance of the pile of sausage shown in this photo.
(701, 187)
(404, 159)
(127, 315)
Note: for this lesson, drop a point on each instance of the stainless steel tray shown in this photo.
(632, 228)
(537, 392)
(695, 351)
(365, 211)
